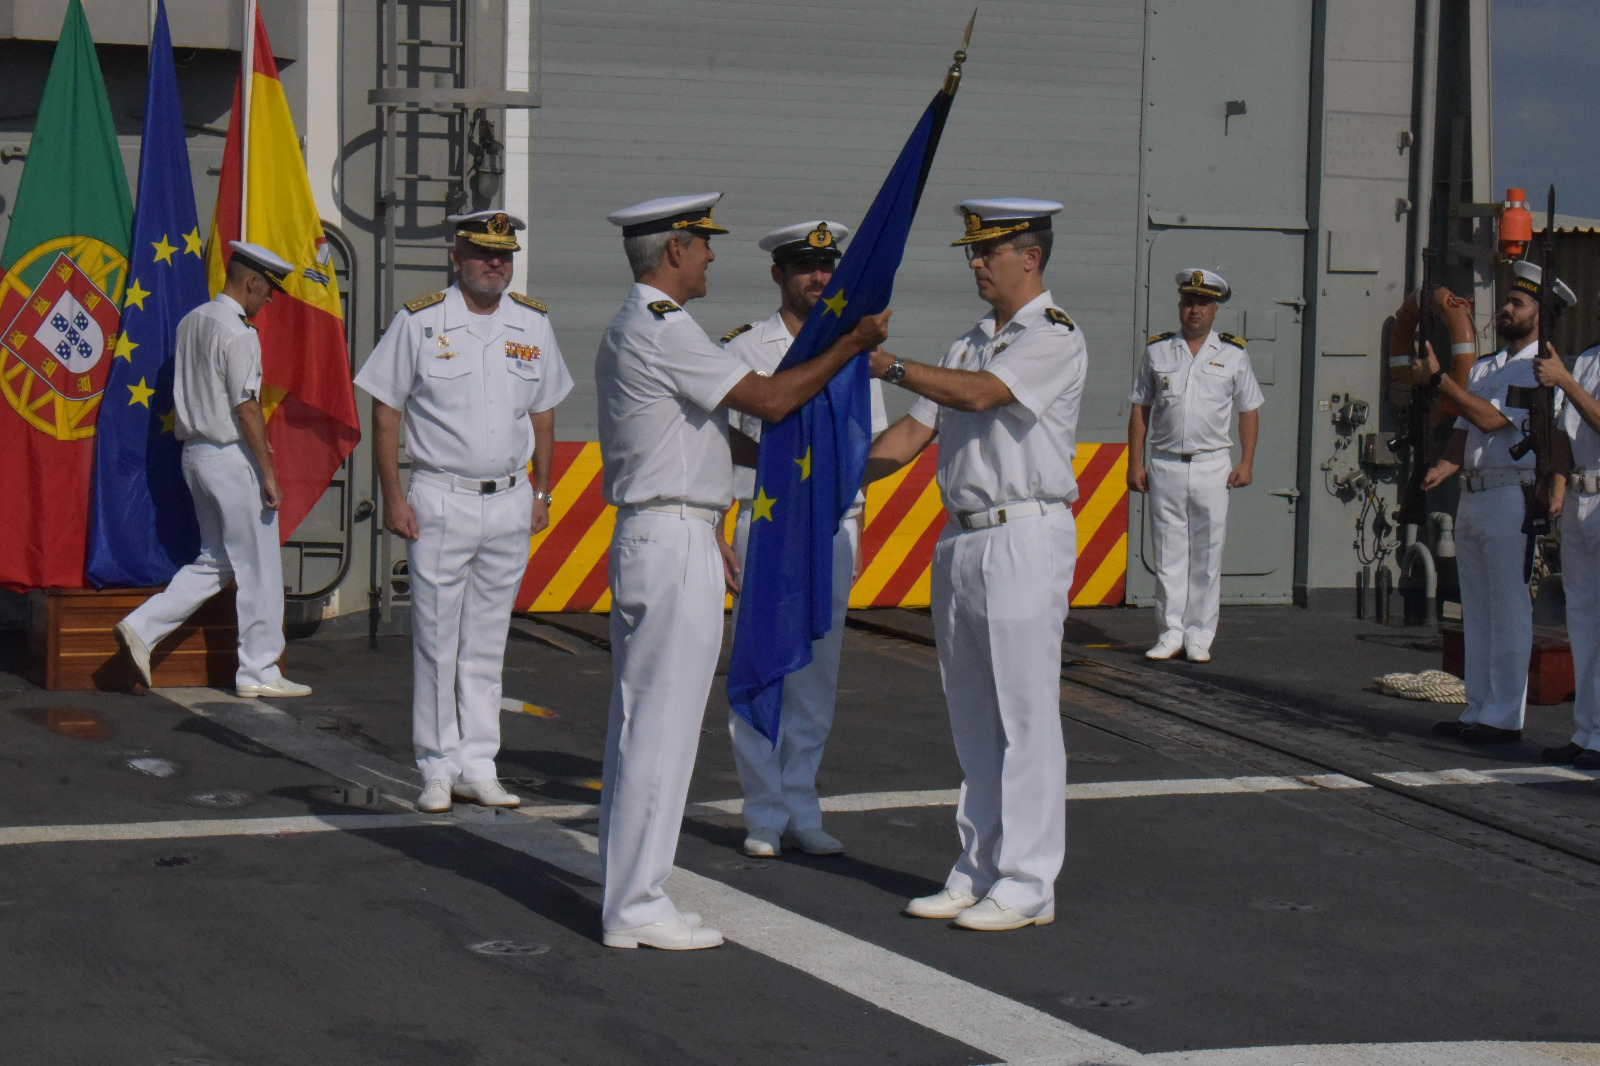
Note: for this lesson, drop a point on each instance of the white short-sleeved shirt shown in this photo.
(1192, 397)
(762, 347)
(1024, 450)
(468, 382)
(1585, 441)
(661, 382)
(217, 367)
(1491, 376)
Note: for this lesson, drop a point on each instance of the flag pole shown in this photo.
(247, 61)
(953, 78)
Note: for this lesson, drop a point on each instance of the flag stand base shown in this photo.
(71, 645)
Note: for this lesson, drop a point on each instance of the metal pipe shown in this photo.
(1427, 123)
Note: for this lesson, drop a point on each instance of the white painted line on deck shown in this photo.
(1441, 1053)
(211, 827)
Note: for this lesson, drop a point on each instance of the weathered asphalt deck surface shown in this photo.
(1267, 864)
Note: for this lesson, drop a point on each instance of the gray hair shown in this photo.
(645, 252)
(1041, 239)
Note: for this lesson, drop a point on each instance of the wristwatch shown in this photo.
(1434, 380)
(896, 372)
(544, 497)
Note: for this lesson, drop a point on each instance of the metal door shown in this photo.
(1265, 268)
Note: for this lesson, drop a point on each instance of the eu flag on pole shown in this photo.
(811, 463)
(142, 525)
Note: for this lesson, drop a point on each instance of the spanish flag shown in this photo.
(264, 197)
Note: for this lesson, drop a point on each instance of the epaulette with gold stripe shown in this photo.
(662, 308)
(1228, 338)
(732, 333)
(1059, 317)
(529, 301)
(1157, 338)
(417, 303)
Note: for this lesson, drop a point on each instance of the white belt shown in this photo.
(683, 510)
(1584, 482)
(1186, 457)
(1472, 481)
(474, 486)
(1006, 512)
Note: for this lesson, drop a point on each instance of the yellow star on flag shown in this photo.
(125, 347)
(761, 506)
(136, 295)
(191, 243)
(140, 394)
(169, 420)
(804, 463)
(163, 250)
(835, 303)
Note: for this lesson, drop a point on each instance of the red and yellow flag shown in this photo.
(306, 392)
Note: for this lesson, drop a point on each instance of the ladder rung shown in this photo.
(425, 43)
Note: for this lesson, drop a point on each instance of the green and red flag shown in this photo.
(65, 262)
(264, 197)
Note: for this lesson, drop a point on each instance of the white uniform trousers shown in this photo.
(1580, 580)
(238, 542)
(1000, 599)
(466, 566)
(666, 632)
(1496, 611)
(780, 780)
(1188, 521)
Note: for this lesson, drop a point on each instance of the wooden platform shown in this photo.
(1549, 665)
(71, 644)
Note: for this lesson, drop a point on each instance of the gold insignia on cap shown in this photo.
(498, 225)
(704, 224)
(1197, 278)
(977, 231)
(821, 237)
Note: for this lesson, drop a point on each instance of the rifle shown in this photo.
(1413, 503)
(1551, 449)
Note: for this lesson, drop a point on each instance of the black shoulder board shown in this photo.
(528, 301)
(732, 333)
(1157, 338)
(426, 300)
(1228, 338)
(247, 322)
(1059, 317)
(663, 308)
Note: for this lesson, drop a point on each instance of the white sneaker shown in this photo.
(278, 688)
(762, 843)
(813, 841)
(137, 650)
(1196, 654)
(435, 798)
(1169, 645)
(945, 903)
(989, 916)
(487, 793)
(674, 934)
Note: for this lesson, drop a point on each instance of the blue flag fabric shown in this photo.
(811, 463)
(141, 523)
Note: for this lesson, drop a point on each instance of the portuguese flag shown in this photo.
(264, 197)
(66, 268)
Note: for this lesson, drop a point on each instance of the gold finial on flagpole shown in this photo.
(953, 78)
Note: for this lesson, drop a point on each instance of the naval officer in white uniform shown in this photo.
(227, 464)
(1004, 404)
(664, 445)
(1580, 548)
(1189, 386)
(1496, 610)
(475, 373)
(780, 780)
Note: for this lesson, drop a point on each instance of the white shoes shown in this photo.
(1169, 645)
(137, 651)
(674, 934)
(1196, 654)
(989, 916)
(279, 688)
(435, 798)
(945, 903)
(487, 793)
(762, 843)
(813, 841)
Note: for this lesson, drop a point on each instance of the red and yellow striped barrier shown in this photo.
(567, 562)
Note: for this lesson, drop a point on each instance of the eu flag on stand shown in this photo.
(811, 463)
(142, 525)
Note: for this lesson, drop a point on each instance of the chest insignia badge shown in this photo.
(427, 331)
(524, 352)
